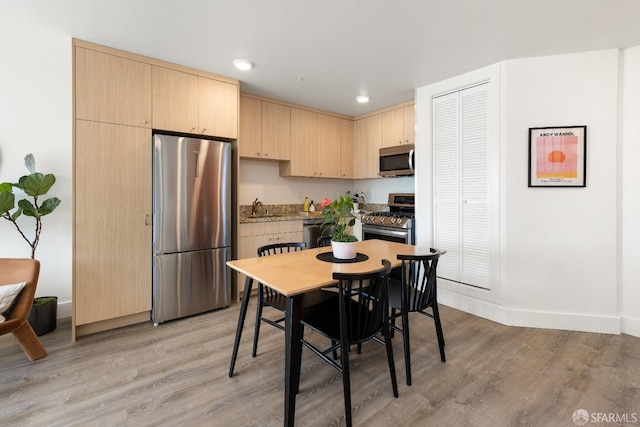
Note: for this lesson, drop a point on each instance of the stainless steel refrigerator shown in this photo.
(191, 226)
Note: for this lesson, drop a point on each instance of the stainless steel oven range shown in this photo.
(396, 225)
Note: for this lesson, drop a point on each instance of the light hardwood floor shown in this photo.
(176, 375)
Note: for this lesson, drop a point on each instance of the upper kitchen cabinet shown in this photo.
(374, 143)
(217, 108)
(315, 145)
(360, 149)
(175, 100)
(184, 102)
(276, 131)
(398, 126)
(367, 143)
(250, 141)
(346, 149)
(112, 89)
(265, 130)
(392, 127)
(329, 150)
(304, 145)
(409, 116)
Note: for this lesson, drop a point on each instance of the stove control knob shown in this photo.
(382, 220)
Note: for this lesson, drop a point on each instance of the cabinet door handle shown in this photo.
(266, 154)
(204, 130)
(147, 220)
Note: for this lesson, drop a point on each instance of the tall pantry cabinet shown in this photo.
(115, 111)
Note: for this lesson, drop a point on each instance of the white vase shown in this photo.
(344, 250)
(356, 208)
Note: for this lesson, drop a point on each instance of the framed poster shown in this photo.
(558, 156)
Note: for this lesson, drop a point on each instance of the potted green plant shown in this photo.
(339, 217)
(43, 316)
(358, 198)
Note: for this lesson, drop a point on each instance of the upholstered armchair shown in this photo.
(15, 270)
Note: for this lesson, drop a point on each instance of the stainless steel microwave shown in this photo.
(397, 160)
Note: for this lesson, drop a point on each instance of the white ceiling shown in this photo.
(342, 48)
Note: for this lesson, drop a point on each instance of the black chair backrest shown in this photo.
(274, 249)
(280, 248)
(420, 278)
(363, 299)
(324, 241)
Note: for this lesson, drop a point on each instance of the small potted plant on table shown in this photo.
(339, 217)
(43, 316)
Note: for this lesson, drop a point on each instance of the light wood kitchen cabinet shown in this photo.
(304, 145)
(409, 116)
(392, 127)
(360, 149)
(265, 130)
(251, 236)
(188, 103)
(175, 100)
(398, 126)
(316, 147)
(329, 149)
(374, 142)
(112, 224)
(276, 131)
(250, 141)
(112, 89)
(217, 108)
(346, 149)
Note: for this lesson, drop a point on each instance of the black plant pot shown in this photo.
(44, 316)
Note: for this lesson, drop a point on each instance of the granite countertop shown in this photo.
(294, 212)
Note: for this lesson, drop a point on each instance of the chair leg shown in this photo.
(436, 318)
(29, 342)
(256, 330)
(392, 366)
(346, 382)
(405, 344)
(393, 321)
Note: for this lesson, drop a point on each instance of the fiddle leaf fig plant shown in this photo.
(34, 185)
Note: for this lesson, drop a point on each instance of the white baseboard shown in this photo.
(64, 309)
(630, 325)
(537, 319)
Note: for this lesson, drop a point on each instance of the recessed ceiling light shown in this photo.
(243, 64)
(362, 99)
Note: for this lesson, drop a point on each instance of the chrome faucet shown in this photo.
(255, 205)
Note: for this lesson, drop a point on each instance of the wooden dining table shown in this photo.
(294, 273)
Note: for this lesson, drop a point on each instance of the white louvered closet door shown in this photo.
(461, 187)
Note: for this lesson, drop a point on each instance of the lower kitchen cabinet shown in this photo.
(253, 235)
(112, 226)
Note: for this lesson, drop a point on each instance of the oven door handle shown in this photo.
(384, 231)
(411, 160)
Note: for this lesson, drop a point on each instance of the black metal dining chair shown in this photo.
(358, 314)
(324, 241)
(415, 291)
(268, 297)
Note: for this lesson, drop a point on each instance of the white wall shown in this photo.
(561, 243)
(261, 179)
(630, 195)
(35, 112)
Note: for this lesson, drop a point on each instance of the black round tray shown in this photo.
(328, 257)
